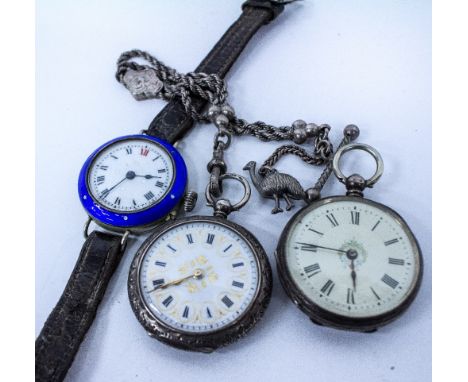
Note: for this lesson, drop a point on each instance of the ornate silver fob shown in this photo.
(349, 262)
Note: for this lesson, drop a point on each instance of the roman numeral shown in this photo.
(186, 312)
(171, 248)
(227, 248)
(208, 312)
(117, 201)
(227, 301)
(317, 232)
(168, 301)
(312, 269)
(235, 265)
(350, 297)
(104, 193)
(332, 220)
(237, 284)
(210, 238)
(100, 179)
(392, 283)
(113, 156)
(160, 263)
(156, 158)
(393, 261)
(308, 247)
(375, 226)
(163, 170)
(159, 184)
(375, 293)
(327, 287)
(189, 238)
(144, 151)
(128, 150)
(134, 203)
(390, 242)
(149, 195)
(355, 217)
(158, 282)
(104, 168)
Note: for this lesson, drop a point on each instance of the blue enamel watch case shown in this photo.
(144, 219)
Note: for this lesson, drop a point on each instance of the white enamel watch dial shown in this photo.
(199, 277)
(130, 175)
(352, 257)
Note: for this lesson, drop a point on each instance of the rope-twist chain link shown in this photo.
(209, 87)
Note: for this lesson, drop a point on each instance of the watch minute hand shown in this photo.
(309, 246)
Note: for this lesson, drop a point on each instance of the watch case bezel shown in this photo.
(144, 218)
(323, 316)
(205, 342)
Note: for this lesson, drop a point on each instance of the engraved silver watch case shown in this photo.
(204, 262)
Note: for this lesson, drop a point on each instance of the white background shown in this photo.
(337, 62)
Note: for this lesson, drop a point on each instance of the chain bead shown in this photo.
(351, 131)
(228, 111)
(221, 121)
(212, 112)
(312, 130)
(300, 124)
(312, 194)
(299, 131)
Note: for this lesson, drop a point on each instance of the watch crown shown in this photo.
(190, 201)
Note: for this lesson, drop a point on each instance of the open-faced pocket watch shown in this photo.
(201, 282)
(349, 262)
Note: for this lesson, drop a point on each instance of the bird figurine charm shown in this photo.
(276, 185)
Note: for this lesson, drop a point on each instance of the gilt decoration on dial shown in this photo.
(200, 283)
(218, 276)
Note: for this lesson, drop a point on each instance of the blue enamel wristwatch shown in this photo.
(132, 182)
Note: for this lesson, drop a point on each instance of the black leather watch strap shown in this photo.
(172, 123)
(68, 323)
(61, 336)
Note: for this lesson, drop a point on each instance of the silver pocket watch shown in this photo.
(349, 262)
(201, 282)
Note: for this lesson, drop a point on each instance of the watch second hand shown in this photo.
(319, 246)
(197, 275)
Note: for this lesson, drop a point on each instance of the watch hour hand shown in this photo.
(148, 176)
(353, 275)
(197, 275)
(352, 255)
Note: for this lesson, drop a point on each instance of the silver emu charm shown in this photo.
(276, 185)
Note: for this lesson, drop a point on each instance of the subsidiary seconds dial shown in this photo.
(130, 175)
(352, 262)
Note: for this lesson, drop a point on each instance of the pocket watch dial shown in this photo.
(352, 257)
(130, 175)
(199, 276)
